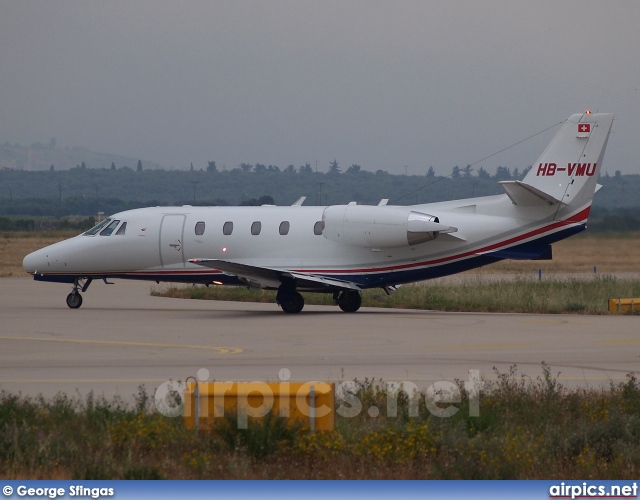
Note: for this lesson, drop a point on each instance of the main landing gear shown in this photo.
(349, 301)
(292, 302)
(74, 299)
(289, 300)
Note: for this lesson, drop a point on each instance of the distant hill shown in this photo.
(40, 157)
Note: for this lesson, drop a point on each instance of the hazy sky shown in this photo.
(384, 84)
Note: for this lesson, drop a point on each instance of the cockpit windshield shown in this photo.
(110, 228)
(96, 229)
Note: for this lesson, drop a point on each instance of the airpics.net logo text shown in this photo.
(440, 398)
(586, 490)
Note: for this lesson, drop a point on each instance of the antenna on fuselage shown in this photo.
(299, 201)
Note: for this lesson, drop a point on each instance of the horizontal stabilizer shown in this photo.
(267, 277)
(522, 194)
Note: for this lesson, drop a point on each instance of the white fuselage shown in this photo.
(342, 249)
(159, 242)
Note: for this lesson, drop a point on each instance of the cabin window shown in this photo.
(96, 229)
(318, 227)
(110, 228)
(122, 229)
(256, 227)
(199, 228)
(284, 227)
(227, 229)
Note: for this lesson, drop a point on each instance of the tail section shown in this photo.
(567, 173)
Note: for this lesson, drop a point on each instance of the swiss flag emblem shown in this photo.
(584, 128)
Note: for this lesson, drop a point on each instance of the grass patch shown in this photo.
(14, 246)
(526, 429)
(521, 295)
(609, 252)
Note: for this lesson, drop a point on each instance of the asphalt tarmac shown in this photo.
(122, 338)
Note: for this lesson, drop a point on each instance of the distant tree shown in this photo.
(431, 173)
(83, 166)
(211, 166)
(273, 168)
(191, 169)
(502, 174)
(516, 173)
(290, 170)
(113, 166)
(354, 169)
(455, 173)
(334, 167)
(526, 171)
(139, 167)
(618, 175)
(266, 200)
(51, 169)
(467, 171)
(246, 167)
(253, 202)
(483, 174)
(260, 168)
(306, 169)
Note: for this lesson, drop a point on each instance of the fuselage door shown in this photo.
(172, 240)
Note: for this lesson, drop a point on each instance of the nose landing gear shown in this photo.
(74, 299)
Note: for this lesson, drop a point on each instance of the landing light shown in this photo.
(588, 112)
(218, 283)
(224, 249)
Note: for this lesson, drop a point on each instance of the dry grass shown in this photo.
(525, 429)
(585, 294)
(15, 246)
(610, 253)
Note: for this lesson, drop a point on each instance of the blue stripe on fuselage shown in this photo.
(438, 271)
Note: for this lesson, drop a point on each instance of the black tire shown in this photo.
(350, 302)
(74, 300)
(292, 303)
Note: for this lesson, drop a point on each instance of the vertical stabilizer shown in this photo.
(567, 172)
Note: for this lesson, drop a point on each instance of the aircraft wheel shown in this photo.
(293, 303)
(74, 300)
(350, 302)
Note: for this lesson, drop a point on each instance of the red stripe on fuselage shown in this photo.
(578, 218)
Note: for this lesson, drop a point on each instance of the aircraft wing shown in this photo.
(268, 277)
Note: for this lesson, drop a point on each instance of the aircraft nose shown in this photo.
(35, 261)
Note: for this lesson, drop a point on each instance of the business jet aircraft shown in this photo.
(341, 249)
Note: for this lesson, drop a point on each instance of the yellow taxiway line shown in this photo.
(220, 350)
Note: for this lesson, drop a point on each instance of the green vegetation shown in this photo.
(526, 429)
(87, 191)
(474, 293)
(77, 224)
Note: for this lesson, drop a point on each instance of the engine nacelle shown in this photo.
(380, 226)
